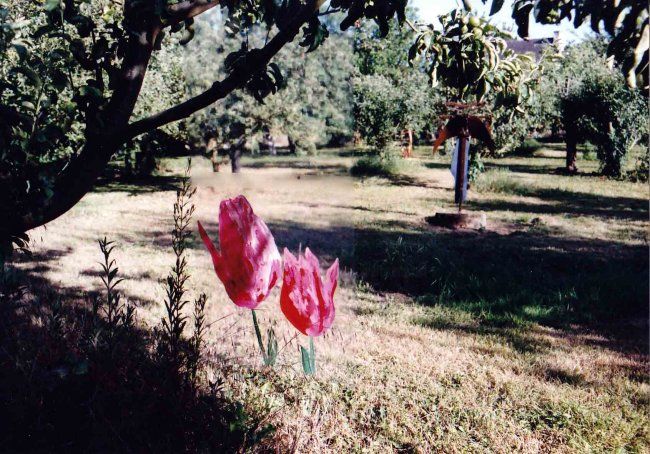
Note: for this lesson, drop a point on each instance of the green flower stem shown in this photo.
(312, 355)
(258, 333)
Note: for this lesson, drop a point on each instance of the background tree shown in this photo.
(315, 106)
(609, 114)
(390, 95)
(72, 73)
(578, 61)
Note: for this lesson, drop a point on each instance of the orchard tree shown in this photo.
(578, 61)
(390, 96)
(607, 113)
(314, 108)
(72, 71)
(469, 59)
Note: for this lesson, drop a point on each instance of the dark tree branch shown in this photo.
(105, 135)
(188, 9)
(77, 178)
(256, 61)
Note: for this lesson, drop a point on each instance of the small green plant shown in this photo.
(270, 353)
(375, 166)
(198, 338)
(528, 147)
(117, 316)
(181, 358)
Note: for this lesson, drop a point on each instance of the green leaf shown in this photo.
(306, 361)
(30, 74)
(59, 79)
(271, 349)
(312, 355)
(20, 49)
(314, 34)
(258, 334)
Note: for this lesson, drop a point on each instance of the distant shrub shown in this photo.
(641, 168)
(476, 166)
(608, 113)
(371, 166)
(509, 131)
(528, 147)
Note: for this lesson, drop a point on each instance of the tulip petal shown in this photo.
(306, 300)
(250, 263)
(332, 278)
(214, 252)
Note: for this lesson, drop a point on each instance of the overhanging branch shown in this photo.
(188, 9)
(256, 60)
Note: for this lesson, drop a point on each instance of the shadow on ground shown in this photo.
(318, 168)
(75, 379)
(139, 185)
(560, 201)
(505, 282)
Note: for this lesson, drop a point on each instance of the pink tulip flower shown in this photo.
(307, 301)
(249, 262)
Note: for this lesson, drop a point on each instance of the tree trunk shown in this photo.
(216, 162)
(571, 153)
(272, 148)
(292, 145)
(212, 149)
(235, 159)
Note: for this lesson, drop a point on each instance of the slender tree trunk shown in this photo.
(214, 158)
(235, 159)
(212, 149)
(571, 152)
(272, 148)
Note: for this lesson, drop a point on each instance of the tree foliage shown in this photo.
(313, 109)
(72, 72)
(625, 21)
(389, 94)
(578, 61)
(610, 115)
(470, 58)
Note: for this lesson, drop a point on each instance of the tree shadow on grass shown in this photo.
(570, 202)
(71, 381)
(506, 282)
(139, 185)
(319, 168)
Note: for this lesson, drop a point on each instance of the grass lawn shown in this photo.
(530, 336)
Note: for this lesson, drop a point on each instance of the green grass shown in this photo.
(528, 336)
(500, 181)
(373, 166)
(528, 147)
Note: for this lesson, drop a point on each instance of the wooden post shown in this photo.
(461, 162)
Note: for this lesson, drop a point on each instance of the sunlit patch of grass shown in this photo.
(500, 182)
(443, 341)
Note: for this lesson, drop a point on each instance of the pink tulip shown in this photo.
(307, 301)
(249, 261)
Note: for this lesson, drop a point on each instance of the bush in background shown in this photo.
(610, 115)
(371, 166)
